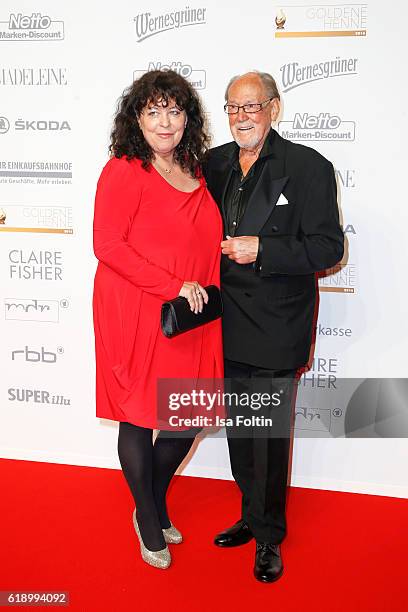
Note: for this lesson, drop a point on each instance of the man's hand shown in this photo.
(242, 249)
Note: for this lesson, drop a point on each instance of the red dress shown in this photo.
(149, 238)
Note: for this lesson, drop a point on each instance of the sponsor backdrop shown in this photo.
(62, 67)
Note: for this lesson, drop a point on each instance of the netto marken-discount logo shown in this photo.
(324, 126)
(294, 75)
(34, 27)
(147, 26)
(197, 78)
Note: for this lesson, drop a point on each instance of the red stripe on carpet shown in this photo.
(69, 528)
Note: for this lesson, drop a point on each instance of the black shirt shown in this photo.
(241, 187)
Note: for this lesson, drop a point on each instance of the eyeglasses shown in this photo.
(233, 109)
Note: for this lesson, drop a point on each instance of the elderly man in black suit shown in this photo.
(278, 200)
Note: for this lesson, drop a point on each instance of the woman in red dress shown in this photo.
(157, 234)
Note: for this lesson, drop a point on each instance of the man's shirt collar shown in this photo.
(266, 150)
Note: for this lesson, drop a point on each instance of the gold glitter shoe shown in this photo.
(156, 558)
(172, 535)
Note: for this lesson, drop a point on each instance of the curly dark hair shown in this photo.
(153, 87)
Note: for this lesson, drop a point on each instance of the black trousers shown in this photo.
(259, 462)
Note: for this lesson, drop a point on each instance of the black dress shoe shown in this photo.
(236, 535)
(268, 562)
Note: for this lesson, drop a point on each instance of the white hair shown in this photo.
(267, 80)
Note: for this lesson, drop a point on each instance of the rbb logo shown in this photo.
(42, 356)
(323, 121)
(24, 22)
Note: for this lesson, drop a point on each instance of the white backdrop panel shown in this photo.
(59, 84)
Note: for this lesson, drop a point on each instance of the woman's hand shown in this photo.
(195, 294)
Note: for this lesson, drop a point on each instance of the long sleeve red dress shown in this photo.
(149, 237)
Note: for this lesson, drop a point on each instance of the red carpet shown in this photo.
(69, 528)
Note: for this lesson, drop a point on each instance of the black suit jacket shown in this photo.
(269, 306)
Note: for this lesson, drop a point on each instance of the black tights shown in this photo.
(148, 469)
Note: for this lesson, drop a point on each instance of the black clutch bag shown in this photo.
(177, 317)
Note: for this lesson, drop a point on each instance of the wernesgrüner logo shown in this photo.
(197, 78)
(31, 27)
(294, 75)
(324, 126)
(147, 26)
(321, 20)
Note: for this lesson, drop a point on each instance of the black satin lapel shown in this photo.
(263, 199)
(224, 191)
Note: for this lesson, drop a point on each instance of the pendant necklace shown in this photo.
(166, 170)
